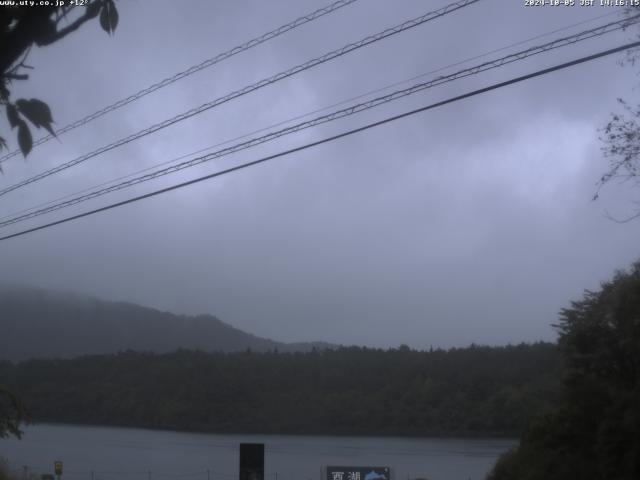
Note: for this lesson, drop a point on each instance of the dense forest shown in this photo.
(468, 391)
(594, 432)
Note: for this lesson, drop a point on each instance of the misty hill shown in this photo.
(37, 323)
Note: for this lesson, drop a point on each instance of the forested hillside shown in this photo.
(470, 391)
(594, 431)
(38, 324)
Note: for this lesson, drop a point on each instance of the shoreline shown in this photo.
(406, 436)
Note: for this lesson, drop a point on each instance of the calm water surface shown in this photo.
(104, 453)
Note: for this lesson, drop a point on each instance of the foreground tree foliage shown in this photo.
(12, 414)
(470, 391)
(22, 27)
(621, 138)
(595, 432)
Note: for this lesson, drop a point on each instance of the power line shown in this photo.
(331, 138)
(191, 70)
(518, 56)
(262, 83)
(307, 114)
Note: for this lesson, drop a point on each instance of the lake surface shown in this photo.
(105, 453)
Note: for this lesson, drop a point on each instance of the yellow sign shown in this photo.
(57, 467)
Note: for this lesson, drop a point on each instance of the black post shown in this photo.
(252, 461)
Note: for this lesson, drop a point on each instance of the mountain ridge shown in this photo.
(39, 323)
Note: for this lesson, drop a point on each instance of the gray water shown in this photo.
(104, 453)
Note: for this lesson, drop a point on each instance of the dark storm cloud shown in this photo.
(470, 223)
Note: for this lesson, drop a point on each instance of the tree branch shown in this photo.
(72, 27)
(37, 26)
(608, 216)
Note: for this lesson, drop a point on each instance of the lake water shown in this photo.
(104, 453)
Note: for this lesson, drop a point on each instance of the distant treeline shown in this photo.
(468, 391)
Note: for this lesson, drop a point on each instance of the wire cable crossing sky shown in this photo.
(333, 138)
(41, 206)
(191, 70)
(357, 108)
(248, 89)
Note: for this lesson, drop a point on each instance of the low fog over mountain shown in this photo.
(40, 323)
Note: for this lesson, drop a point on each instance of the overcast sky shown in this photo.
(468, 223)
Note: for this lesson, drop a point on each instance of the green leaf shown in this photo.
(4, 91)
(109, 17)
(24, 137)
(113, 15)
(12, 115)
(104, 19)
(93, 9)
(37, 112)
